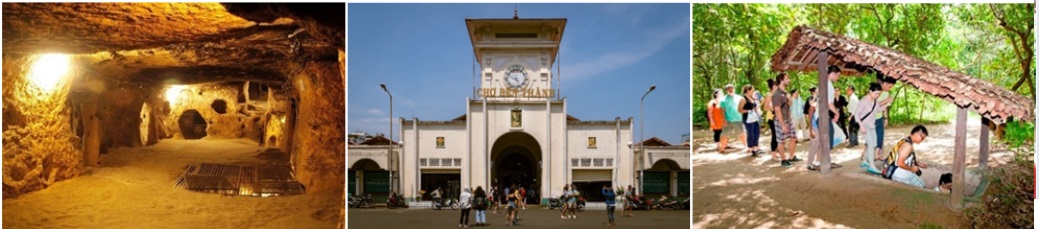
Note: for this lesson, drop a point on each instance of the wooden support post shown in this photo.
(983, 144)
(960, 158)
(823, 106)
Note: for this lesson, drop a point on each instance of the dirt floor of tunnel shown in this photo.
(133, 188)
(734, 189)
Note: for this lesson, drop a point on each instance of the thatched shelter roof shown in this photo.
(856, 57)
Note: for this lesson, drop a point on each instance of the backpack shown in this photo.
(891, 163)
(480, 203)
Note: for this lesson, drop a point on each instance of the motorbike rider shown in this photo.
(436, 196)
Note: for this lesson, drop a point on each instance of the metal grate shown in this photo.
(246, 180)
(458, 161)
(573, 162)
(609, 162)
(586, 162)
(597, 162)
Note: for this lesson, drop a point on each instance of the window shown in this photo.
(440, 142)
(591, 142)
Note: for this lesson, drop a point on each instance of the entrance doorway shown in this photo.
(447, 182)
(192, 125)
(516, 161)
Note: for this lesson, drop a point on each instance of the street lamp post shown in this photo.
(642, 141)
(383, 85)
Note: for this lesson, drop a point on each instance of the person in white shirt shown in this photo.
(853, 125)
(833, 73)
(464, 202)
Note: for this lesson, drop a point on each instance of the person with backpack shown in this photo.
(751, 115)
(903, 165)
(866, 113)
(480, 202)
(465, 203)
(716, 116)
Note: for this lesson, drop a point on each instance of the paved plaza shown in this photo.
(530, 218)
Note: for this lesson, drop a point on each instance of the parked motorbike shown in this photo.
(396, 202)
(555, 203)
(641, 203)
(580, 204)
(364, 201)
(685, 203)
(442, 203)
(665, 203)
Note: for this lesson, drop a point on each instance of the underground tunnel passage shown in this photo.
(173, 115)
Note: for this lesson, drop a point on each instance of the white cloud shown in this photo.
(374, 111)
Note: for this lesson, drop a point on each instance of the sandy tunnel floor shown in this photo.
(734, 188)
(133, 188)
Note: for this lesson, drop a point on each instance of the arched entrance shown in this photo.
(366, 176)
(192, 125)
(662, 178)
(516, 160)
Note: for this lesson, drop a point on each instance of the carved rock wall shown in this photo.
(40, 146)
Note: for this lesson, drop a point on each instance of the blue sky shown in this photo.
(610, 55)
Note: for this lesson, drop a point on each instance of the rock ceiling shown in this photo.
(184, 42)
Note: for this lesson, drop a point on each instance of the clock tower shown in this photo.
(516, 57)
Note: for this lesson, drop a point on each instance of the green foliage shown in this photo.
(1008, 202)
(1018, 133)
(734, 43)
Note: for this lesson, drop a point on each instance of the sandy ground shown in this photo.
(134, 189)
(733, 189)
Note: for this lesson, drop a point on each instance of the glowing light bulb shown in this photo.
(49, 70)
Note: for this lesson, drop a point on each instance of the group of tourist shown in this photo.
(739, 116)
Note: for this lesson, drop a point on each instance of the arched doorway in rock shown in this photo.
(516, 160)
(192, 124)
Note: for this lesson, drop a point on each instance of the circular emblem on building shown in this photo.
(516, 77)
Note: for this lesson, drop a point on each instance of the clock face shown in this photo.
(516, 76)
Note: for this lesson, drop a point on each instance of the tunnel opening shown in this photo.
(192, 124)
(220, 106)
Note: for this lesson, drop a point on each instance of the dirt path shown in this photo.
(134, 189)
(736, 190)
